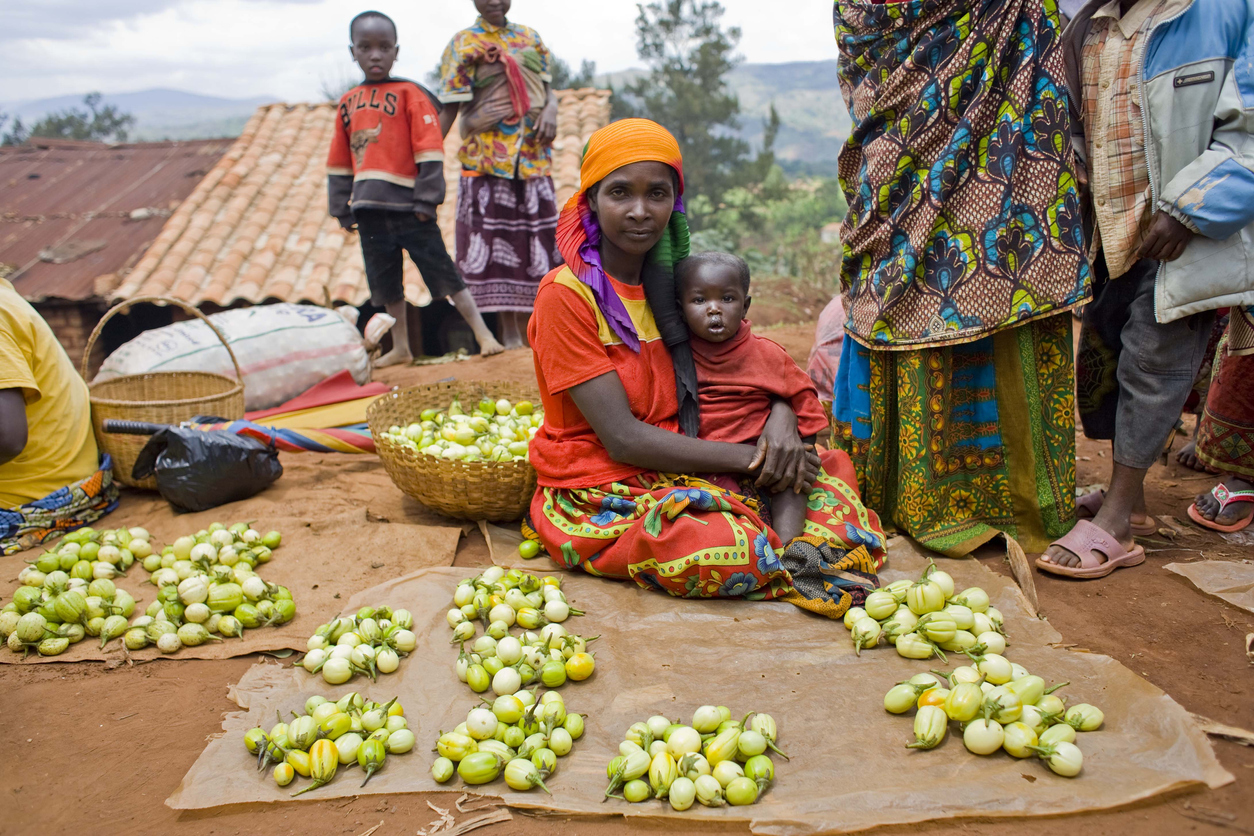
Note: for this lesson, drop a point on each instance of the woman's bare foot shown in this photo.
(513, 329)
(1188, 457)
(488, 346)
(396, 357)
(1208, 505)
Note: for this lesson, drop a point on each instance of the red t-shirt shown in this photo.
(573, 343)
(738, 379)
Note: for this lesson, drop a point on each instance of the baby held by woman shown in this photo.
(740, 375)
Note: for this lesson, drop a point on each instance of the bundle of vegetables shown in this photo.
(87, 554)
(371, 642)
(998, 706)
(494, 431)
(216, 545)
(517, 735)
(926, 618)
(207, 590)
(63, 611)
(714, 761)
(68, 594)
(543, 651)
(351, 731)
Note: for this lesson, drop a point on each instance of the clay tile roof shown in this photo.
(257, 228)
(75, 214)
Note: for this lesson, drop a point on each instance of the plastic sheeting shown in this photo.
(850, 769)
(1231, 582)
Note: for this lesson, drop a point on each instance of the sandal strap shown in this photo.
(1227, 497)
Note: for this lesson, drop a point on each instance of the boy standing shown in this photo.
(739, 374)
(1166, 98)
(385, 173)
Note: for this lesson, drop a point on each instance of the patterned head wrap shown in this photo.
(579, 236)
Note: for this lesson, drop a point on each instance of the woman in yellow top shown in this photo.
(496, 75)
(51, 479)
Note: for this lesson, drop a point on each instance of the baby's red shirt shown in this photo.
(737, 381)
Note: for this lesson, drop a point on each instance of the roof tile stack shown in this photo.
(257, 228)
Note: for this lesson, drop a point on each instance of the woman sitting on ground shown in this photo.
(618, 384)
(52, 479)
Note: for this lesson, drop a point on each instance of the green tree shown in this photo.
(15, 134)
(689, 54)
(564, 78)
(95, 123)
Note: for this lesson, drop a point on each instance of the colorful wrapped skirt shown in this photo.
(958, 444)
(1225, 438)
(693, 539)
(506, 239)
(60, 512)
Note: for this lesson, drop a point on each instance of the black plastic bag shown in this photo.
(197, 470)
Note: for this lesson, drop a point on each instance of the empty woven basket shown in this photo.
(157, 398)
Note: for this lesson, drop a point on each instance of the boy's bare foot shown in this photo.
(1188, 457)
(1112, 524)
(395, 357)
(488, 346)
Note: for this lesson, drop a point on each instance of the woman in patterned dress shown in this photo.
(618, 384)
(963, 251)
(496, 75)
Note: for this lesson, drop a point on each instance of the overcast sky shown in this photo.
(290, 48)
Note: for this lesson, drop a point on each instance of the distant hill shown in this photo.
(814, 122)
(159, 113)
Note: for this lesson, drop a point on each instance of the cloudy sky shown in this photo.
(291, 48)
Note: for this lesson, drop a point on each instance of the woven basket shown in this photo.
(157, 397)
(497, 491)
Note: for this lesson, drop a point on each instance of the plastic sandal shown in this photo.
(1100, 554)
(1225, 497)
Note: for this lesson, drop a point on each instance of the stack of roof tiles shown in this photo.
(257, 228)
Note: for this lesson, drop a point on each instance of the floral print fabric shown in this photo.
(964, 217)
(511, 150)
(957, 444)
(1225, 437)
(60, 512)
(691, 538)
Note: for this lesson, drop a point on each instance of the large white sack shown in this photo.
(282, 349)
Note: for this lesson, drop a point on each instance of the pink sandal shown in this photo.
(1224, 497)
(1099, 553)
(1087, 506)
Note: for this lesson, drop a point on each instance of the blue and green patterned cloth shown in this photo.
(964, 215)
(60, 512)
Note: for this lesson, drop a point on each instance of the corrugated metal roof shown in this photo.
(61, 196)
(257, 228)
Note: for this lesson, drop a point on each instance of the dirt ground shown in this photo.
(88, 749)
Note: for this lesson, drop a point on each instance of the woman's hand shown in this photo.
(546, 131)
(785, 461)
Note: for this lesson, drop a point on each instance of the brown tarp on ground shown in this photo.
(849, 768)
(1226, 580)
(338, 546)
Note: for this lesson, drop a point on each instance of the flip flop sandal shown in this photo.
(1225, 498)
(1091, 503)
(1092, 544)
